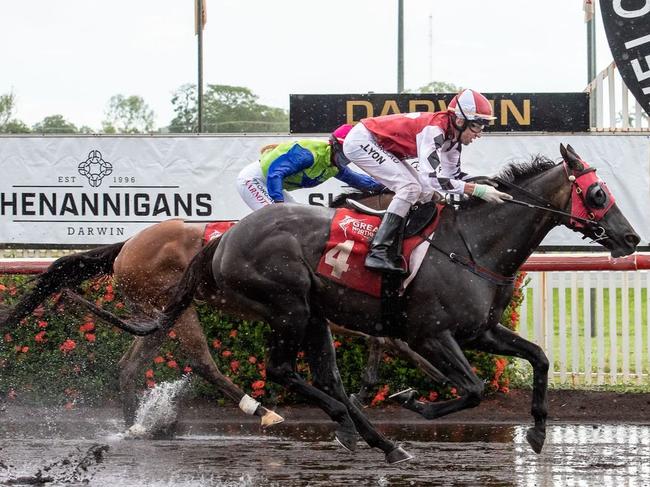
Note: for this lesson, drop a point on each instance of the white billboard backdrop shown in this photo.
(102, 189)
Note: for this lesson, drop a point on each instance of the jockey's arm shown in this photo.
(294, 160)
(362, 182)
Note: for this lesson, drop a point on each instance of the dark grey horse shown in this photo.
(264, 267)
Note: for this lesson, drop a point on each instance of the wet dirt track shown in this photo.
(301, 452)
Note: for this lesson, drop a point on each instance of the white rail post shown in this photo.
(612, 95)
(575, 340)
(638, 330)
(562, 329)
(600, 329)
(625, 329)
(586, 324)
(613, 329)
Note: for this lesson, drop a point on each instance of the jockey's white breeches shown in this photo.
(251, 185)
(398, 176)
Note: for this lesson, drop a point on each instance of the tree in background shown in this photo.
(226, 109)
(55, 124)
(437, 87)
(9, 125)
(128, 115)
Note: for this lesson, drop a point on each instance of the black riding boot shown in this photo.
(385, 252)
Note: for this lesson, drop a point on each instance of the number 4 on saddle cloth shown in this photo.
(350, 235)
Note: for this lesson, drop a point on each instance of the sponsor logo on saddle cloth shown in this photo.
(216, 229)
(345, 252)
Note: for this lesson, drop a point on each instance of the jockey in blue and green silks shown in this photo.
(294, 165)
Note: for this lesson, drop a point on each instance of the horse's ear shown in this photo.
(571, 158)
(572, 151)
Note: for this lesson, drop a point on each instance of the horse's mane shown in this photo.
(522, 170)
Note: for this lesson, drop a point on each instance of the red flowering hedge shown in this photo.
(62, 355)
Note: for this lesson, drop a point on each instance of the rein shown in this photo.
(599, 231)
(498, 279)
(547, 206)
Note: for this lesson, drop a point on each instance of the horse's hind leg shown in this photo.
(370, 376)
(288, 330)
(140, 353)
(503, 341)
(194, 345)
(322, 359)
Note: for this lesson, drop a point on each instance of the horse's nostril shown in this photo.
(633, 239)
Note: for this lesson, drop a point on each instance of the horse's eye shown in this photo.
(596, 196)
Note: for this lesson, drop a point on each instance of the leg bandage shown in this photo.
(248, 404)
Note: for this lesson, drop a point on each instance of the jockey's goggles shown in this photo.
(477, 125)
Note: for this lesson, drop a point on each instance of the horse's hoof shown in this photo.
(356, 402)
(405, 396)
(270, 418)
(398, 455)
(346, 439)
(536, 439)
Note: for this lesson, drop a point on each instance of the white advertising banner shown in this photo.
(90, 190)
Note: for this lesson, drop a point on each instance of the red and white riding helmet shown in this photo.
(470, 105)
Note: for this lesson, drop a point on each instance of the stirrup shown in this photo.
(380, 265)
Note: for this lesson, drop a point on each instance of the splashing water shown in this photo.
(157, 410)
(76, 467)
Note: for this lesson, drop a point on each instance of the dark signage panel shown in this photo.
(627, 25)
(538, 112)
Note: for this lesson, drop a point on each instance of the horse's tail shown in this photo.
(198, 271)
(66, 272)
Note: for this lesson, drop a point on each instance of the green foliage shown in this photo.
(128, 115)
(9, 125)
(62, 355)
(437, 87)
(226, 109)
(54, 124)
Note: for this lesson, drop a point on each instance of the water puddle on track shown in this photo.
(91, 449)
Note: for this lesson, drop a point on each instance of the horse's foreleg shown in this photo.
(503, 341)
(194, 345)
(322, 360)
(446, 356)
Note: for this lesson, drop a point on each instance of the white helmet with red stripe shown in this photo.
(470, 105)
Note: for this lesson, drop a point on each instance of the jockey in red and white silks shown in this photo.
(381, 145)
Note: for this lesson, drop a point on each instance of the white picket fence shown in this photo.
(593, 326)
(612, 106)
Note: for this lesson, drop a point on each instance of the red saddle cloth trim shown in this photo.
(216, 229)
(345, 252)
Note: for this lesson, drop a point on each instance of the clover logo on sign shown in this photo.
(95, 168)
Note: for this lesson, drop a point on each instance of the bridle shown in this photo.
(585, 213)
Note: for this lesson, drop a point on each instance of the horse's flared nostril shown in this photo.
(633, 239)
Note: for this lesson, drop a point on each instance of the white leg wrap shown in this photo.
(248, 404)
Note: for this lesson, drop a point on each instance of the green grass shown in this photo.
(608, 328)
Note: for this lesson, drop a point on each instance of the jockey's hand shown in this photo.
(481, 180)
(489, 194)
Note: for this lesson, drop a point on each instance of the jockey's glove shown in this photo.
(490, 194)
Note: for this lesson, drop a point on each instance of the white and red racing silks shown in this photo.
(427, 137)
